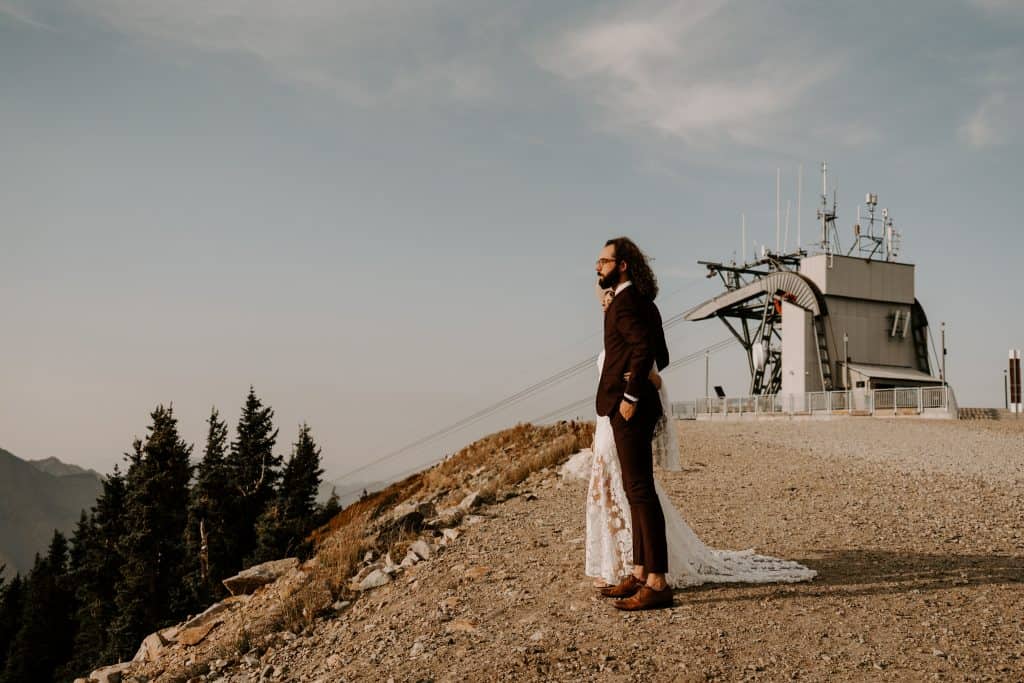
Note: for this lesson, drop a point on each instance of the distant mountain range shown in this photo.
(36, 497)
(59, 469)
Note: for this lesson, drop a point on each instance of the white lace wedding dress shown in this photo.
(609, 541)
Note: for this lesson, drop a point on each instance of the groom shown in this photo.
(633, 341)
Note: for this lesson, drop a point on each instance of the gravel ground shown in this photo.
(913, 526)
(990, 449)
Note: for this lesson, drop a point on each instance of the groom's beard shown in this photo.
(611, 280)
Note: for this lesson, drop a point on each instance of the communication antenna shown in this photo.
(799, 203)
(743, 229)
(778, 190)
(828, 217)
(785, 240)
(824, 205)
(884, 239)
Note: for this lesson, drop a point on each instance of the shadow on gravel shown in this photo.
(847, 573)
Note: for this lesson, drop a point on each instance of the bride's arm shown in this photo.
(653, 376)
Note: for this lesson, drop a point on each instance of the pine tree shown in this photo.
(150, 592)
(96, 571)
(272, 535)
(253, 472)
(207, 539)
(328, 510)
(12, 601)
(301, 480)
(45, 634)
(283, 527)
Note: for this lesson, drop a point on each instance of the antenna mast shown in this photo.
(743, 222)
(799, 204)
(778, 189)
(887, 239)
(826, 216)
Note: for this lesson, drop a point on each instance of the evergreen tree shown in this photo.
(328, 510)
(150, 592)
(301, 480)
(253, 472)
(272, 535)
(95, 570)
(46, 629)
(283, 527)
(207, 541)
(79, 543)
(12, 601)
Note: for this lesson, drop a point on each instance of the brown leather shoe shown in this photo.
(646, 598)
(627, 587)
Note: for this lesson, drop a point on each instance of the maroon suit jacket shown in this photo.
(634, 341)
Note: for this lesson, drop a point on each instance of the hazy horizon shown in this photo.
(385, 217)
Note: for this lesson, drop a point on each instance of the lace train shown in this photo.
(609, 539)
(691, 563)
(609, 542)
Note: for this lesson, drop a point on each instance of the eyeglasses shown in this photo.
(602, 261)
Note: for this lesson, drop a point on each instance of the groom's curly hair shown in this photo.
(638, 270)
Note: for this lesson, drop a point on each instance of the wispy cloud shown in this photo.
(22, 14)
(365, 52)
(995, 120)
(703, 71)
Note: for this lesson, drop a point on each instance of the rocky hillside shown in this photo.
(376, 542)
(473, 570)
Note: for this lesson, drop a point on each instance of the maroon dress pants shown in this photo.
(633, 444)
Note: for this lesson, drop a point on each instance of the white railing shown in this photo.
(882, 402)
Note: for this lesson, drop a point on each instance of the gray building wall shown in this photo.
(800, 372)
(856, 278)
(869, 326)
(863, 298)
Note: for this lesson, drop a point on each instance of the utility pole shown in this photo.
(846, 361)
(1006, 391)
(707, 373)
(943, 353)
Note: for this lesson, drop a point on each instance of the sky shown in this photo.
(384, 215)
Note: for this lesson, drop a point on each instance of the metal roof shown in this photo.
(779, 282)
(892, 372)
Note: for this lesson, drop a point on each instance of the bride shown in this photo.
(609, 541)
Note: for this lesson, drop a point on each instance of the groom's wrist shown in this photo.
(630, 399)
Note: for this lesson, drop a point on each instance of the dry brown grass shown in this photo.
(547, 456)
(340, 551)
(509, 456)
(490, 466)
(310, 600)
